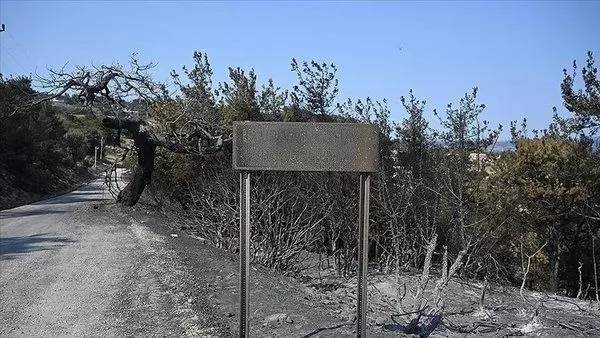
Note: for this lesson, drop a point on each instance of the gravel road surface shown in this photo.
(74, 265)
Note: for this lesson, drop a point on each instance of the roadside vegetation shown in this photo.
(43, 150)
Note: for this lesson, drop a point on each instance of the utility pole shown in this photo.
(95, 155)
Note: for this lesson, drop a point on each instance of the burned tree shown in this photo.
(128, 99)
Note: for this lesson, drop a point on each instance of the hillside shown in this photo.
(297, 300)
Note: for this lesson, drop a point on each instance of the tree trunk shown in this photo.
(554, 268)
(554, 260)
(574, 269)
(145, 143)
(146, 152)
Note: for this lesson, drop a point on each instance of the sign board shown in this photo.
(305, 146)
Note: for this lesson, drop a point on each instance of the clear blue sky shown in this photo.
(513, 51)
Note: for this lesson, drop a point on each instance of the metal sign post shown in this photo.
(363, 255)
(244, 250)
(292, 146)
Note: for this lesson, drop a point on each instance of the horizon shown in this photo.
(513, 52)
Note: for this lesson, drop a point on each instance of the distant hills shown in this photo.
(503, 146)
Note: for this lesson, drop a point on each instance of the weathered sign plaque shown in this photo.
(298, 146)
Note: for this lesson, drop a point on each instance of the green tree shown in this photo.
(463, 130)
(317, 85)
(272, 101)
(30, 136)
(414, 137)
(583, 103)
(461, 175)
(200, 102)
(239, 97)
(33, 159)
(76, 144)
(547, 185)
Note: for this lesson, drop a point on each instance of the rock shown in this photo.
(380, 321)
(174, 235)
(351, 317)
(277, 318)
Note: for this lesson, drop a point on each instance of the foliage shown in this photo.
(552, 182)
(414, 135)
(272, 100)
(239, 101)
(583, 103)
(317, 85)
(200, 103)
(31, 139)
(38, 150)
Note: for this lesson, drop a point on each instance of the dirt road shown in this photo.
(68, 267)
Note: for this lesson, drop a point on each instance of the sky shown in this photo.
(514, 52)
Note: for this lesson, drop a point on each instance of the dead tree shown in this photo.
(109, 90)
(526, 268)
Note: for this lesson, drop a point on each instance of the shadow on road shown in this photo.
(10, 247)
(84, 193)
(35, 212)
(66, 200)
